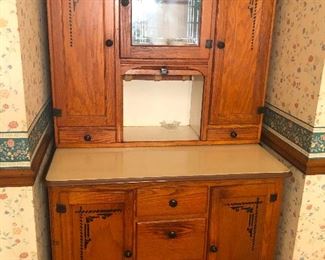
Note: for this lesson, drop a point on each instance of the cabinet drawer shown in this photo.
(171, 201)
(234, 134)
(171, 240)
(86, 136)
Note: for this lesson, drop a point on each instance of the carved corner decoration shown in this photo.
(252, 7)
(251, 209)
(86, 217)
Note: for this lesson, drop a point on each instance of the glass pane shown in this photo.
(166, 22)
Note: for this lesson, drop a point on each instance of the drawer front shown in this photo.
(86, 136)
(171, 201)
(234, 134)
(172, 240)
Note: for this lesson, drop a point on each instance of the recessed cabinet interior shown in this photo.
(114, 63)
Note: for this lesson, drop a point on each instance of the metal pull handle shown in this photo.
(163, 71)
(172, 234)
(125, 2)
(233, 134)
(109, 43)
(127, 253)
(87, 138)
(213, 248)
(173, 203)
(221, 45)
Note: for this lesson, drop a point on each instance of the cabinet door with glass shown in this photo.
(158, 29)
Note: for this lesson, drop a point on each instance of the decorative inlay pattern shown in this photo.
(251, 209)
(71, 6)
(252, 7)
(86, 217)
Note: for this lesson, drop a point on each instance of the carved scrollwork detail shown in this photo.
(86, 217)
(252, 7)
(251, 208)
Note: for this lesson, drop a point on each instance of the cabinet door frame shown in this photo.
(270, 221)
(59, 40)
(127, 50)
(70, 198)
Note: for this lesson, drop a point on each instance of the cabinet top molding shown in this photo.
(163, 163)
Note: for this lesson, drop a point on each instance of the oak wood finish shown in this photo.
(240, 67)
(155, 240)
(234, 134)
(82, 66)
(308, 166)
(167, 52)
(151, 238)
(171, 201)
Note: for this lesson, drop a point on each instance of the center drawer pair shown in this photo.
(171, 222)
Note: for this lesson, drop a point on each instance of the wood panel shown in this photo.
(82, 66)
(234, 134)
(171, 201)
(93, 227)
(240, 67)
(86, 135)
(242, 222)
(172, 240)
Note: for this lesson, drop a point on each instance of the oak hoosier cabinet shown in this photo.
(206, 61)
(140, 88)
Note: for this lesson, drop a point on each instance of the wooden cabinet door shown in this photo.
(82, 64)
(96, 225)
(243, 222)
(169, 29)
(243, 35)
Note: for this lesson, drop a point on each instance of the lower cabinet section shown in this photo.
(190, 220)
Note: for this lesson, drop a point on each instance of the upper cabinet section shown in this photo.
(166, 29)
(82, 60)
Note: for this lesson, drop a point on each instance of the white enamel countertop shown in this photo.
(127, 164)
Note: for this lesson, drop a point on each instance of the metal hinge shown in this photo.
(261, 110)
(208, 44)
(57, 112)
(61, 208)
(273, 197)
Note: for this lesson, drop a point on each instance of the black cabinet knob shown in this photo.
(213, 248)
(109, 43)
(233, 134)
(127, 253)
(172, 234)
(125, 2)
(221, 45)
(173, 203)
(87, 138)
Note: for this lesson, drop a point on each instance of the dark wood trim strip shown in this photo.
(309, 166)
(18, 177)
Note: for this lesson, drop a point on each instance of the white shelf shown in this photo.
(158, 133)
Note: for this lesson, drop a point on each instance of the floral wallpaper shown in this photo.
(32, 22)
(320, 114)
(310, 237)
(296, 113)
(297, 58)
(17, 226)
(12, 100)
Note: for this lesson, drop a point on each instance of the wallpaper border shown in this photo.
(310, 142)
(18, 149)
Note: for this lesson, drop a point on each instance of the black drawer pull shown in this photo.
(125, 2)
(173, 203)
(213, 248)
(87, 138)
(127, 253)
(221, 45)
(233, 134)
(109, 43)
(172, 234)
